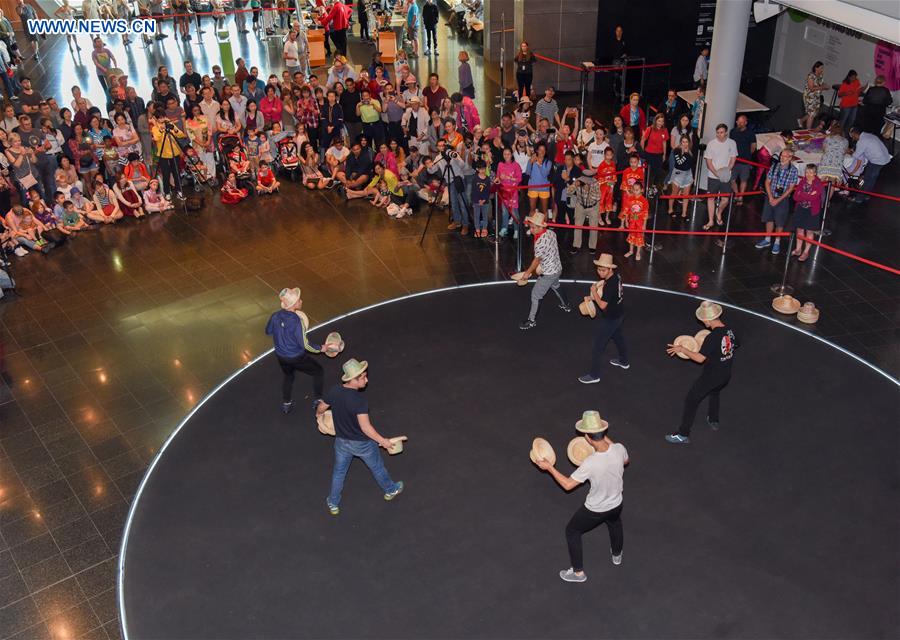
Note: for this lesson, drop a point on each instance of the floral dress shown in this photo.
(833, 150)
(811, 97)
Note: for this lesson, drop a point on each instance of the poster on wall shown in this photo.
(706, 16)
(887, 64)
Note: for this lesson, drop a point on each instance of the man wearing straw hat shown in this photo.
(546, 256)
(716, 355)
(607, 294)
(604, 469)
(292, 348)
(355, 436)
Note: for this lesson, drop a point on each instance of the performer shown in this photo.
(546, 256)
(607, 294)
(635, 220)
(292, 349)
(606, 176)
(355, 436)
(716, 355)
(604, 469)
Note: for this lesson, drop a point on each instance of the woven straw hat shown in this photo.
(578, 450)
(519, 278)
(591, 422)
(787, 305)
(540, 448)
(688, 342)
(588, 308)
(353, 368)
(538, 219)
(334, 344)
(708, 311)
(700, 336)
(808, 313)
(326, 423)
(606, 260)
(397, 445)
(289, 297)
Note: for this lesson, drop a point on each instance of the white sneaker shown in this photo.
(569, 575)
(616, 559)
(21, 251)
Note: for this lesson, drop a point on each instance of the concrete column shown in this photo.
(726, 62)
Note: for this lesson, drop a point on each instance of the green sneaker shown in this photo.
(398, 489)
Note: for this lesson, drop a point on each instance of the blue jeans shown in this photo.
(344, 452)
(869, 176)
(482, 212)
(459, 201)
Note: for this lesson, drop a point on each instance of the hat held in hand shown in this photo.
(325, 421)
(541, 449)
(334, 344)
(578, 450)
(588, 308)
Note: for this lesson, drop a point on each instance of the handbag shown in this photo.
(28, 180)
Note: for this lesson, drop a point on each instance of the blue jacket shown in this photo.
(288, 334)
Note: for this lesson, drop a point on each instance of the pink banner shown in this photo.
(887, 63)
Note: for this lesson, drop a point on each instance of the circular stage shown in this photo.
(781, 524)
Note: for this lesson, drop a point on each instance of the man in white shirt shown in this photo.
(210, 109)
(604, 468)
(871, 149)
(238, 103)
(721, 154)
(701, 69)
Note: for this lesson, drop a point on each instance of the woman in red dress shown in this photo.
(636, 220)
(231, 193)
(130, 201)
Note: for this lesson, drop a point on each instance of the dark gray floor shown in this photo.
(777, 526)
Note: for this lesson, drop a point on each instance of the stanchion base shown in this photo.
(656, 247)
(824, 234)
(782, 289)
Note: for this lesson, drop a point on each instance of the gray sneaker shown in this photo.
(398, 489)
(569, 575)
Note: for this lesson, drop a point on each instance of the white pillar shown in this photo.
(726, 63)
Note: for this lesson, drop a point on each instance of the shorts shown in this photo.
(682, 179)
(741, 172)
(777, 214)
(717, 186)
(543, 195)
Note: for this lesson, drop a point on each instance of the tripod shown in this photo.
(447, 177)
(169, 137)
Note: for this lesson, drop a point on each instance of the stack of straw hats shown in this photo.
(787, 305)
(808, 313)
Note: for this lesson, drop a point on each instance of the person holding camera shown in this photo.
(460, 176)
(166, 137)
(369, 111)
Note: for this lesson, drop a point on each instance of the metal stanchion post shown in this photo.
(783, 288)
(822, 230)
(584, 76)
(653, 232)
(701, 148)
(496, 205)
(724, 240)
(519, 244)
(501, 105)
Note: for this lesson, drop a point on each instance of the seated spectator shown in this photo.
(137, 172)
(231, 192)
(266, 182)
(155, 201)
(128, 198)
(357, 170)
(106, 206)
(309, 163)
(71, 220)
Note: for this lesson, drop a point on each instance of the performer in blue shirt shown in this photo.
(288, 329)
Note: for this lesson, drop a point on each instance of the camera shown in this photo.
(451, 154)
(168, 126)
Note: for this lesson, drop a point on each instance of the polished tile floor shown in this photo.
(120, 332)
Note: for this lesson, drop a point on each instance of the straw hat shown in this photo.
(606, 260)
(578, 450)
(540, 448)
(353, 368)
(808, 313)
(688, 342)
(787, 305)
(326, 423)
(524, 100)
(414, 100)
(334, 344)
(289, 297)
(397, 446)
(588, 308)
(538, 219)
(591, 422)
(708, 311)
(520, 280)
(700, 336)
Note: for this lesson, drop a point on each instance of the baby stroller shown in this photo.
(228, 144)
(194, 170)
(288, 157)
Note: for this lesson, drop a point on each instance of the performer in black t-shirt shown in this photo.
(355, 436)
(716, 355)
(607, 294)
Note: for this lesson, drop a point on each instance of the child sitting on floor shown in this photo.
(231, 192)
(265, 179)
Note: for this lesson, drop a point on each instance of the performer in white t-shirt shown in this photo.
(604, 469)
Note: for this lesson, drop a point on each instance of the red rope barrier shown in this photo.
(671, 232)
(711, 195)
(603, 68)
(852, 256)
(559, 62)
(870, 193)
(755, 164)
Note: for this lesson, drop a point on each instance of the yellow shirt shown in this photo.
(171, 148)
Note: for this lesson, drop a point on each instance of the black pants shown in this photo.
(304, 364)
(431, 37)
(586, 520)
(339, 38)
(523, 83)
(364, 30)
(171, 181)
(704, 386)
(608, 329)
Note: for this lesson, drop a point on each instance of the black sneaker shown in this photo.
(712, 423)
(574, 251)
(618, 363)
(528, 324)
(565, 307)
(286, 407)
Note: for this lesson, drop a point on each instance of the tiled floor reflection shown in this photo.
(123, 330)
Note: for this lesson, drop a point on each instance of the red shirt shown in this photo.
(849, 94)
(630, 177)
(606, 173)
(563, 145)
(338, 17)
(625, 113)
(434, 97)
(656, 140)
